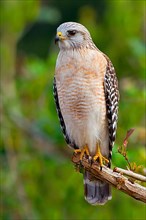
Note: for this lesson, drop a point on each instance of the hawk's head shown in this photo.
(72, 35)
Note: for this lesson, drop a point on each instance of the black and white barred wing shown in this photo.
(62, 123)
(112, 99)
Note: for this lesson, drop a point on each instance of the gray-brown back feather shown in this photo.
(96, 192)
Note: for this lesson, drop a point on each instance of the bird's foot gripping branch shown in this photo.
(117, 178)
(123, 179)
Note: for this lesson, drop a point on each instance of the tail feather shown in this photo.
(96, 192)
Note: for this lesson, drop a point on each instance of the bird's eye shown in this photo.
(72, 32)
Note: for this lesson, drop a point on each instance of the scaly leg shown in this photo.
(99, 156)
(82, 152)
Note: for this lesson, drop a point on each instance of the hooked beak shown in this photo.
(56, 39)
(59, 36)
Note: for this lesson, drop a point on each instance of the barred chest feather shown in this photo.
(81, 98)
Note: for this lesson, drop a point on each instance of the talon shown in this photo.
(90, 160)
(80, 163)
(99, 156)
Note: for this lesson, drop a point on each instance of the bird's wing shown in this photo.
(62, 123)
(112, 99)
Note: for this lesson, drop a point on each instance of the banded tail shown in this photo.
(96, 192)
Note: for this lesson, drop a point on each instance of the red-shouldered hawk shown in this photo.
(86, 95)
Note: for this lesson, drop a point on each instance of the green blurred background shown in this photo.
(38, 180)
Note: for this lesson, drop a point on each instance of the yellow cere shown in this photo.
(59, 34)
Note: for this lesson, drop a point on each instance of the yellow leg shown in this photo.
(99, 156)
(82, 151)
